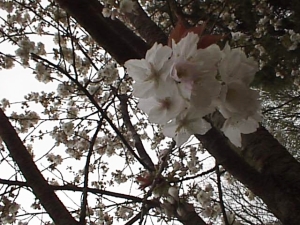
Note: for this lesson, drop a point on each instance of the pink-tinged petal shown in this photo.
(182, 137)
(237, 98)
(169, 129)
(232, 133)
(204, 94)
(236, 66)
(248, 125)
(186, 124)
(186, 47)
(151, 73)
(147, 104)
(235, 126)
(158, 55)
(137, 69)
(199, 126)
(162, 110)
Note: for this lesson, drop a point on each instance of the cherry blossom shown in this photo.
(185, 125)
(237, 98)
(151, 74)
(162, 110)
(235, 66)
(126, 6)
(181, 85)
(233, 127)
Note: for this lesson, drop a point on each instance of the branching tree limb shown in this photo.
(137, 140)
(57, 211)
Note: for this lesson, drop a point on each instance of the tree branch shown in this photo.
(119, 41)
(145, 27)
(137, 141)
(220, 193)
(41, 189)
(70, 187)
(95, 103)
(263, 164)
(86, 175)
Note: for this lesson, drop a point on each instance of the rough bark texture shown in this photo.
(33, 176)
(145, 27)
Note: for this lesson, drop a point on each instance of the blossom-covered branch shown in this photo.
(178, 86)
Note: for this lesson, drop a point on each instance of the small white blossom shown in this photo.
(25, 48)
(185, 125)
(68, 128)
(203, 198)
(235, 66)
(233, 127)
(42, 73)
(173, 191)
(151, 74)
(4, 103)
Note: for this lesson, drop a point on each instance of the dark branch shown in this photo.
(41, 189)
(137, 141)
(112, 35)
(145, 27)
(86, 175)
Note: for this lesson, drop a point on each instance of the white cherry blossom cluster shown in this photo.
(178, 86)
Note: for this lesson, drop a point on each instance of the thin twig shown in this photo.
(94, 102)
(86, 175)
(219, 184)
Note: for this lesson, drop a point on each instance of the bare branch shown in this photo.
(86, 175)
(137, 141)
(220, 192)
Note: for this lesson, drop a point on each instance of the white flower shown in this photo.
(203, 198)
(204, 95)
(68, 128)
(185, 125)
(195, 66)
(237, 98)
(42, 74)
(233, 127)
(236, 66)
(162, 110)
(151, 74)
(186, 48)
(173, 191)
(190, 63)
